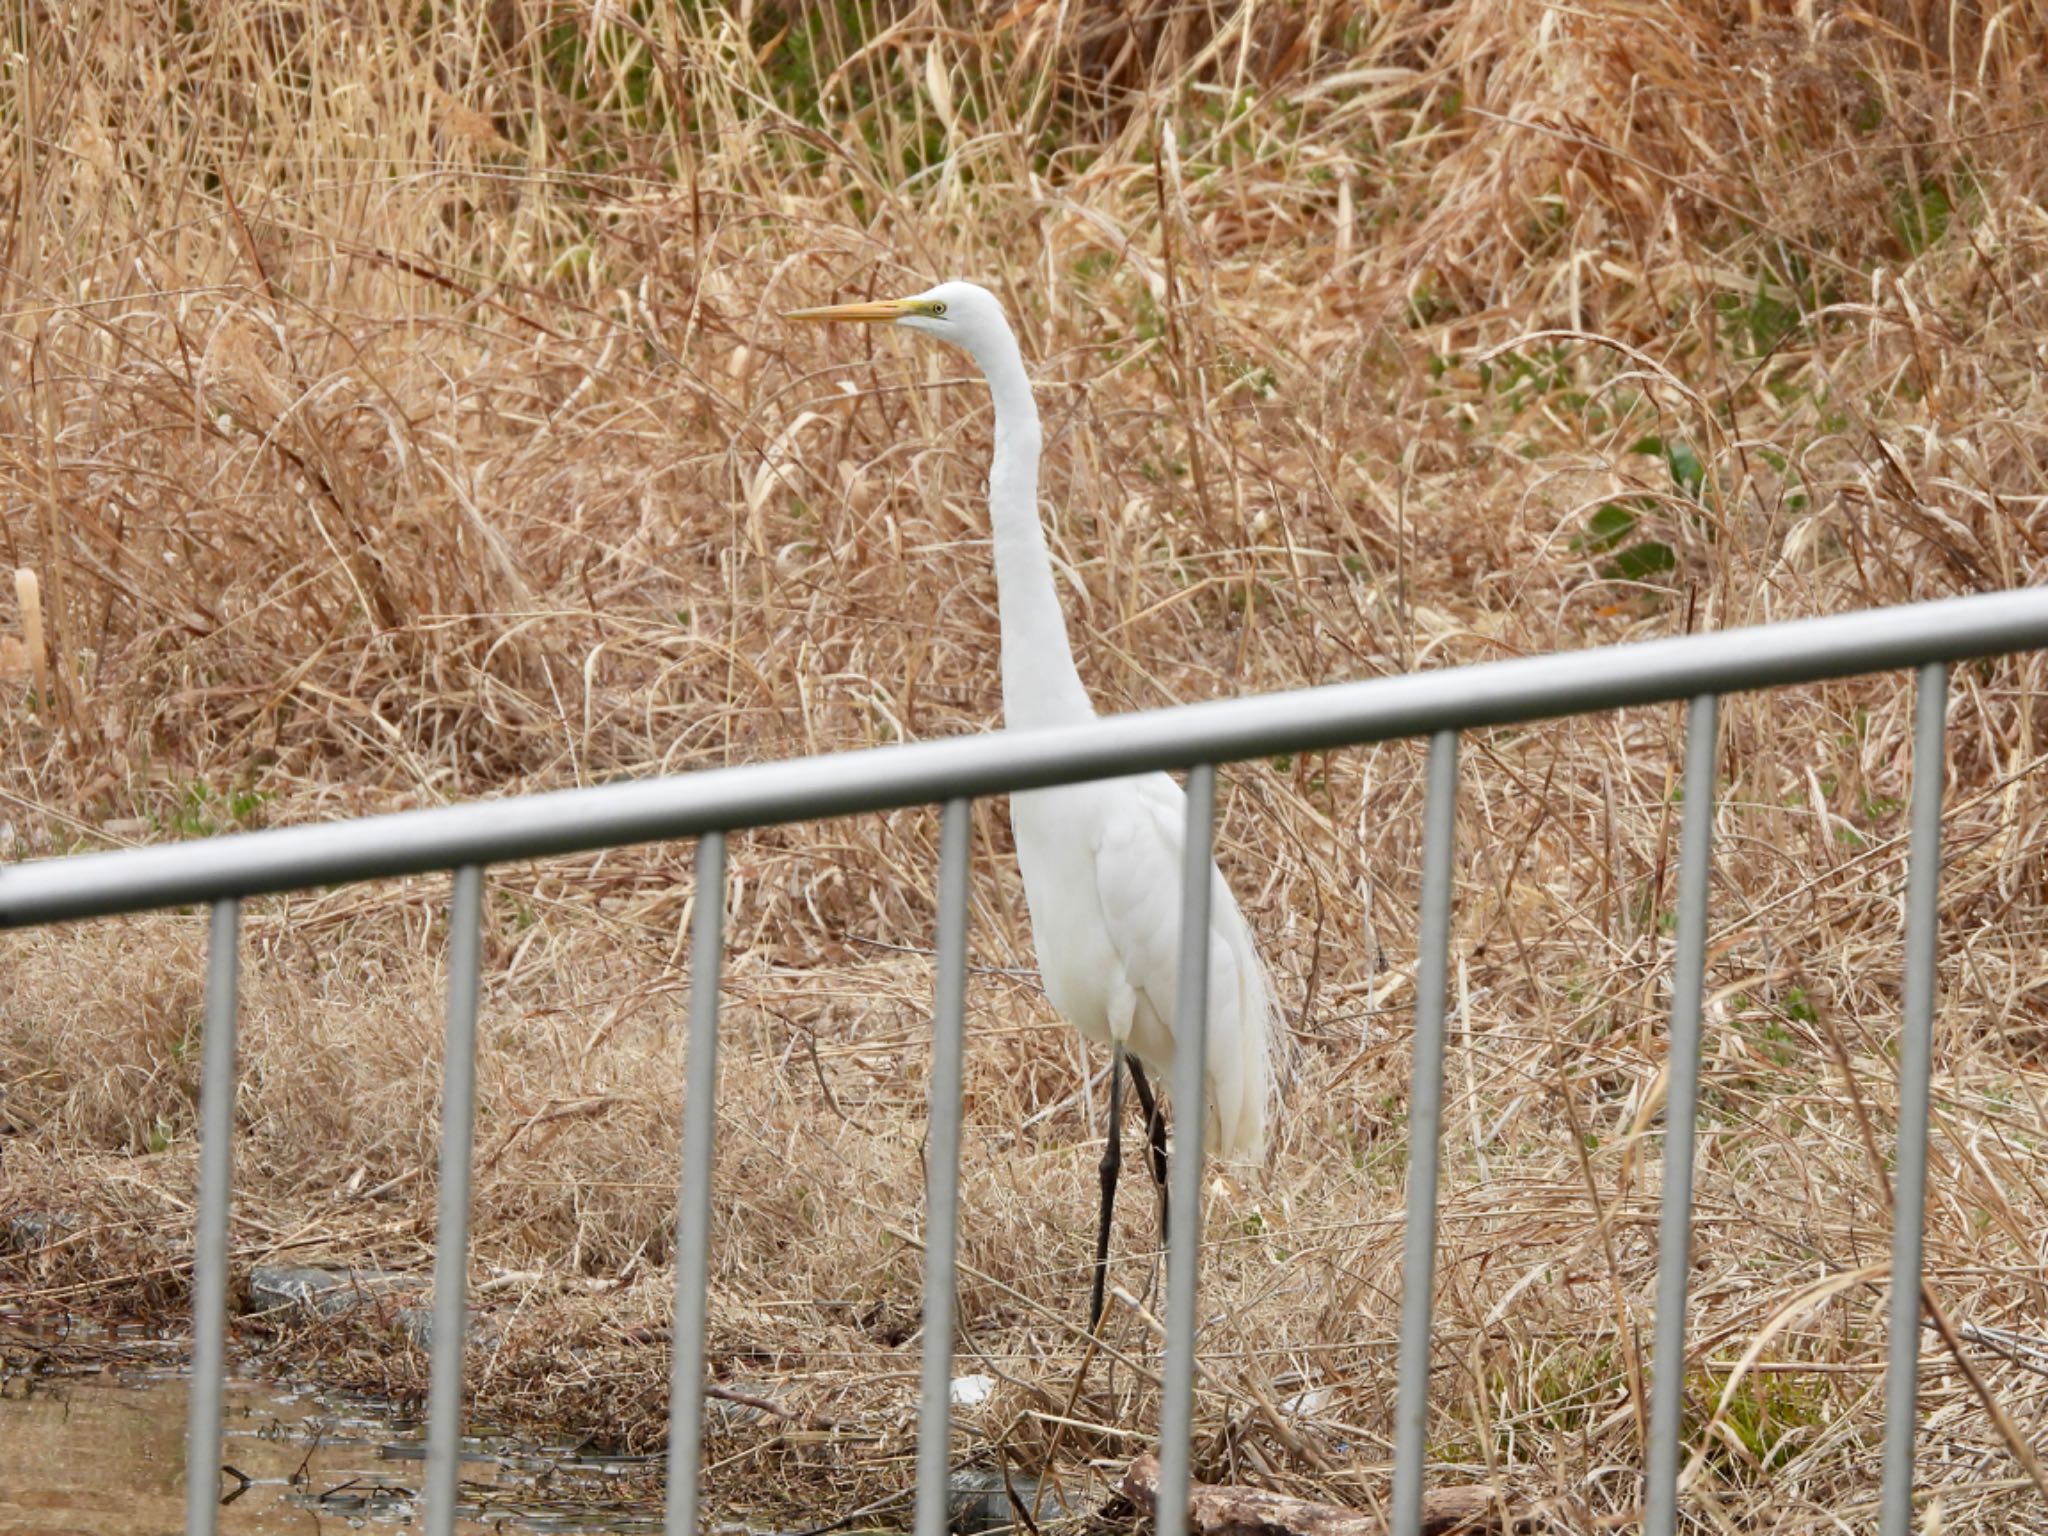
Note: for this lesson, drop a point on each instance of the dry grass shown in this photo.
(398, 413)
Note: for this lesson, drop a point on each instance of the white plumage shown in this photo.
(1102, 869)
(1101, 861)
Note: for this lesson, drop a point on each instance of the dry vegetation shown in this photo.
(395, 410)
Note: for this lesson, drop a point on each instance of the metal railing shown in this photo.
(709, 805)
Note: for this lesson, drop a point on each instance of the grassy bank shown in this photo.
(395, 410)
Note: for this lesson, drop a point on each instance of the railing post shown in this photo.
(1190, 1100)
(1425, 1119)
(942, 1172)
(1681, 1096)
(693, 1199)
(451, 1238)
(210, 1233)
(1916, 1071)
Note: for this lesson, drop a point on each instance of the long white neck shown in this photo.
(1040, 685)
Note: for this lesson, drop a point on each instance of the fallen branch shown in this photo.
(769, 1406)
(1228, 1510)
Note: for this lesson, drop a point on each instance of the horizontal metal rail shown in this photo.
(707, 805)
(927, 773)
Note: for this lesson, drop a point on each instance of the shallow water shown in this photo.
(104, 1455)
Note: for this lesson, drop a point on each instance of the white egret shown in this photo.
(1101, 861)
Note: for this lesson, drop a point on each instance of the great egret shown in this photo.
(1101, 861)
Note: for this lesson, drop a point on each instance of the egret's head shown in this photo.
(962, 313)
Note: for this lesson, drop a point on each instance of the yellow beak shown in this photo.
(872, 310)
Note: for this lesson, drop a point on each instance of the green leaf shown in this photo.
(1607, 527)
(1687, 472)
(1640, 562)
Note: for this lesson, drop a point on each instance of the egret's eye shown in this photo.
(938, 308)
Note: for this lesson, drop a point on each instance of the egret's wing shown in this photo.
(1138, 882)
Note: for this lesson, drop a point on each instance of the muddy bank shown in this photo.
(98, 1444)
(94, 1417)
(94, 1422)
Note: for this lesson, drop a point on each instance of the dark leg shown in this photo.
(1155, 1128)
(1112, 1163)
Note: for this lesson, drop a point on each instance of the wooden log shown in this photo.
(1227, 1510)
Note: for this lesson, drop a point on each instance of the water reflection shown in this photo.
(105, 1456)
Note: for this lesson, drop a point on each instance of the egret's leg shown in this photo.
(1112, 1162)
(1155, 1128)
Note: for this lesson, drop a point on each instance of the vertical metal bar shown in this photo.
(1916, 1068)
(451, 1239)
(1681, 1097)
(1190, 1113)
(210, 1237)
(942, 1173)
(693, 1201)
(1425, 1117)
